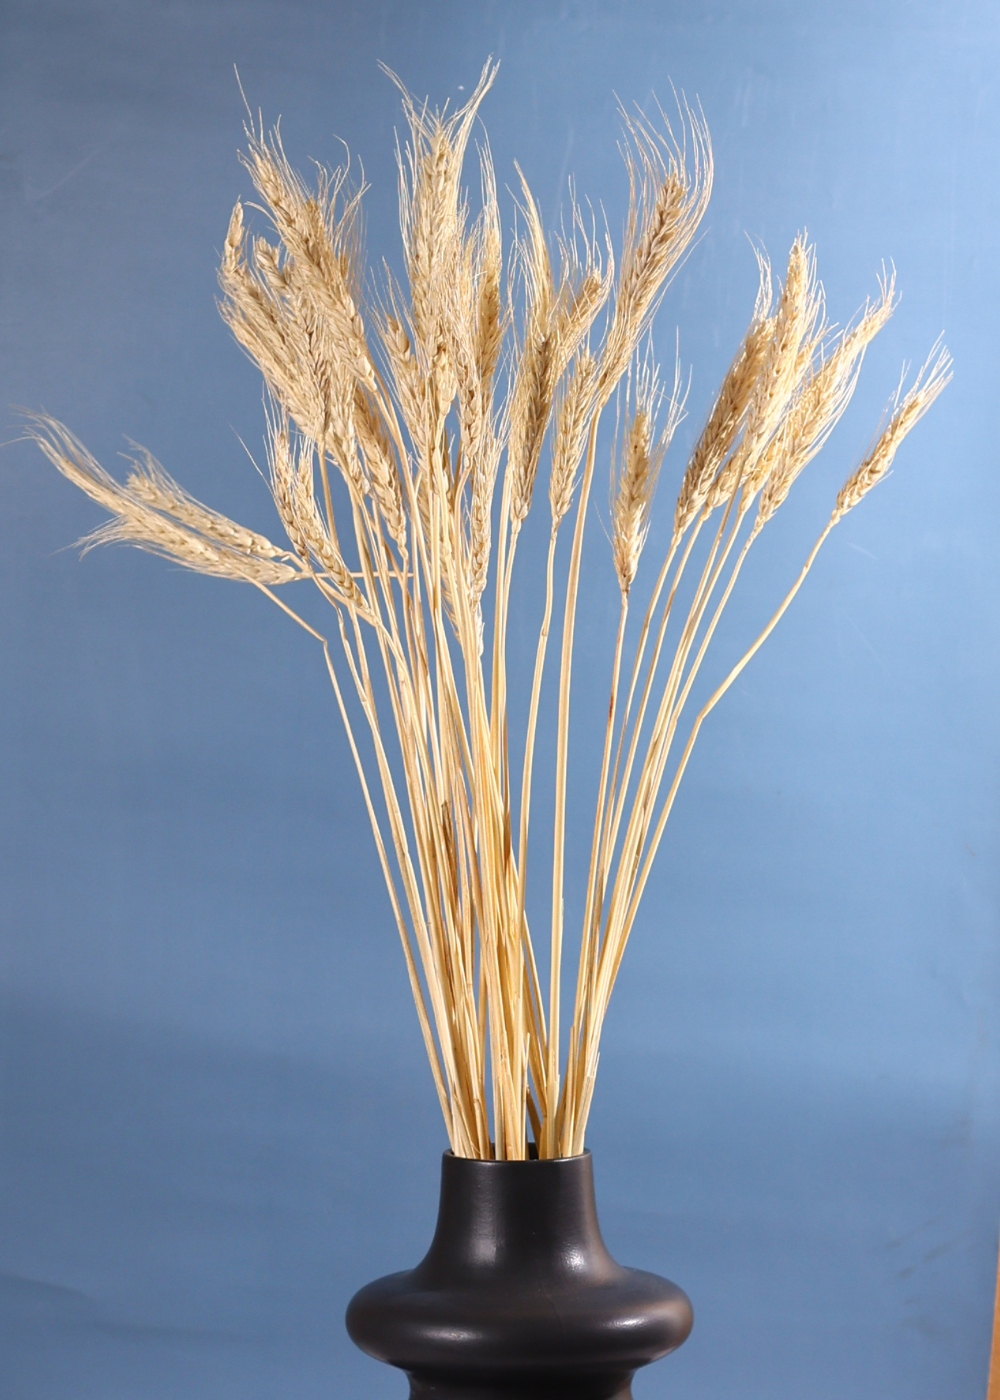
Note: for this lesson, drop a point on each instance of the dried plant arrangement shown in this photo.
(407, 427)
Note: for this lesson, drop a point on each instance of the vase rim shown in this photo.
(448, 1154)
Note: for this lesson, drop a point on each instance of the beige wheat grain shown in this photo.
(641, 457)
(669, 189)
(718, 436)
(907, 412)
(572, 420)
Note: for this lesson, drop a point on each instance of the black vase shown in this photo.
(518, 1297)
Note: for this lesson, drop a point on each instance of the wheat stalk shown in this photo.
(437, 404)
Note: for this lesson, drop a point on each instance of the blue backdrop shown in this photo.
(217, 1120)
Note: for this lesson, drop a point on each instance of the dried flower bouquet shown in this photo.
(434, 409)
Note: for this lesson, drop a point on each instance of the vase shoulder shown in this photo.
(519, 1291)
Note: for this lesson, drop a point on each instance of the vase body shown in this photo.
(518, 1297)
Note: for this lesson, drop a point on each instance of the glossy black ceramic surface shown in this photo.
(518, 1297)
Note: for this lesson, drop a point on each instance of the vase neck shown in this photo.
(538, 1215)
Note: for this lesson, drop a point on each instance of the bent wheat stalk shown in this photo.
(406, 432)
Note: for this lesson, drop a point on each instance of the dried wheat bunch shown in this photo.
(406, 432)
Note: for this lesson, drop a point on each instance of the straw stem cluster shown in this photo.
(406, 432)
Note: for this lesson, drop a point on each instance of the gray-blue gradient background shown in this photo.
(217, 1120)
